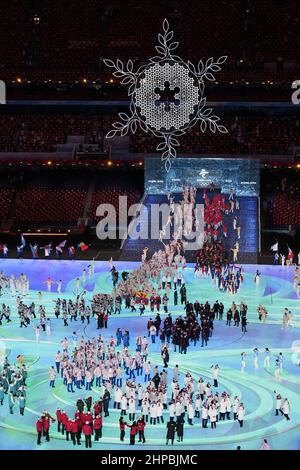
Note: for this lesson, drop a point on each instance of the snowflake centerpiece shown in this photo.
(167, 96)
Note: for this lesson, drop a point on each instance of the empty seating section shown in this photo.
(251, 134)
(246, 135)
(111, 196)
(280, 195)
(9, 126)
(260, 38)
(69, 40)
(50, 203)
(285, 211)
(57, 198)
(15, 27)
(42, 132)
(131, 32)
(6, 195)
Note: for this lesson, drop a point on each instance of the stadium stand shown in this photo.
(248, 134)
(54, 197)
(249, 32)
(281, 198)
(43, 132)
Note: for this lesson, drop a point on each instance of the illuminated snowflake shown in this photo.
(167, 96)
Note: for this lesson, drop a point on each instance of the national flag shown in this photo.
(71, 250)
(23, 242)
(47, 249)
(274, 247)
(83, 246)
(34, 250)
(61, 246)
(290, 254)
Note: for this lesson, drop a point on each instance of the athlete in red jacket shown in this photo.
(84, 417)
(64, 419)
(87, 431)
(78, 415)
(133, 431)
(75, 434)
(58, 417)
(122, 425)
(68, 426)
(80, 422)
(98, 408)
(46, 427)
(39, 430)
(141, 426)
(98, 427)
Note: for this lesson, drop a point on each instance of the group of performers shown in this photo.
(49, 250)
(210, 261)
(139, 389)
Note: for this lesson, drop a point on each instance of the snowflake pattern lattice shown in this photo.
(166, 121)
(156, 117)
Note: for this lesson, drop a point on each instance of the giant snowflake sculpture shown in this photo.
(167, 96)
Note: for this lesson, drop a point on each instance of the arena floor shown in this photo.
(256, 387)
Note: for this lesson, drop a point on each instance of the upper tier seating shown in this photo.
(261, 38)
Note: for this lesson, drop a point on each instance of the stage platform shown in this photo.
(247, 216)
(255, 387)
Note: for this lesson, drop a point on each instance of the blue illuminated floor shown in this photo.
(255, 387)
